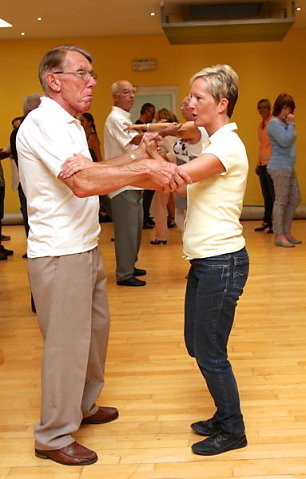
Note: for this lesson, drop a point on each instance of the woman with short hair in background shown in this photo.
(264, 154)
(282, 136)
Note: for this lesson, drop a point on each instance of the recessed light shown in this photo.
(22, 34)
(152, 14)
(4, 24)
(298, 9)
(39, 19)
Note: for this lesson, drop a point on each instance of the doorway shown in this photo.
(159, 96)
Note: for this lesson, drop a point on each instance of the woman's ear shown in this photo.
(223, 104)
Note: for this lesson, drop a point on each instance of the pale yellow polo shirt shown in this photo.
(212, 224)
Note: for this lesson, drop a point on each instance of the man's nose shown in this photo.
(92, 82)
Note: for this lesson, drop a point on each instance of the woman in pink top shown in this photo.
(264, 153)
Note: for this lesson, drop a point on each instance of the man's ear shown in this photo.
(223, 104)
(53, 82)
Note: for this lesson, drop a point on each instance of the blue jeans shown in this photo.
(213, 289)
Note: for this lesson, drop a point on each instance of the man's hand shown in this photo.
(166, 176)
(128, 126)
(74, 164)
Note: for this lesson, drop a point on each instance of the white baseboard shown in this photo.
(249, 212)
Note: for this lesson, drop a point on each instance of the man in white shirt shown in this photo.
(127, 209)
(65, 265)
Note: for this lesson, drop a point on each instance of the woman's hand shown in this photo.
(74, 164)
(151, 143)
(290, 118)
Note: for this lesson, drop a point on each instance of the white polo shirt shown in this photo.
(60, 223)
(214, 205)
(117, 140)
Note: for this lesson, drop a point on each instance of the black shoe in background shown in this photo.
(131, 282)
(5, 238)
(139, 272)
(7, 252)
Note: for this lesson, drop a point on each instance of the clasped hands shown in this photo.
(161, 174)
(167, 176)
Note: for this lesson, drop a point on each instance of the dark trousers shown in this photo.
(105, 205)
(213, 289)
(23, 209)
(147, 200)
(267, 189)
(128, 221)
(2, 195)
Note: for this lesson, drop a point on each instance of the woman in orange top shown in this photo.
(264, 153)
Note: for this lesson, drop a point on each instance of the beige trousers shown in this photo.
(160, 215)
(70, 297)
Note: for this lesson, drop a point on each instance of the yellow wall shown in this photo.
(265, 70)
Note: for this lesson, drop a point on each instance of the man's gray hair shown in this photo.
(54, 60)
(116, 87)
(31, 102)
(222, 82)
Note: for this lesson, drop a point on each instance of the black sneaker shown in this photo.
(206, 428)
(219, 443)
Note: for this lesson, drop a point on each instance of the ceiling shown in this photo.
(75, 18)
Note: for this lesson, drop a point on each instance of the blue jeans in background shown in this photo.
(213, 289)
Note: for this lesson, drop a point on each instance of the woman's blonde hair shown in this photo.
(222, 82)
(165, 114)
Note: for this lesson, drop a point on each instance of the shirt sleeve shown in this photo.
(50, 142)
(284, 135)
(117, 130)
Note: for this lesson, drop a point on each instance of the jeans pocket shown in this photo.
(240, 276)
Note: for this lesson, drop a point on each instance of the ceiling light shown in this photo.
(22, 34)
(152, 14)
(298, 9)
(4, 24)
(39, 19)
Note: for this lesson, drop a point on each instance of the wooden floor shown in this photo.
(154, 383)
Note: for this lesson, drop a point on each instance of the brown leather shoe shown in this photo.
(72, 455)
(104, 414)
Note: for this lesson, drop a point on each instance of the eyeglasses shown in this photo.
(128, 92)
(83, 74)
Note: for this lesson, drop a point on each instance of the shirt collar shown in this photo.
(58, 109)
(228, 127)
(121, 111)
